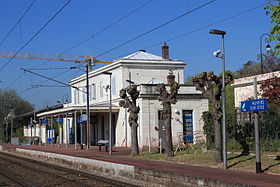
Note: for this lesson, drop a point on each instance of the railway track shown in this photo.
(27, 172)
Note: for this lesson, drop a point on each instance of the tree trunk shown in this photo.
(218, 141)
(168, 131)
(134, 140)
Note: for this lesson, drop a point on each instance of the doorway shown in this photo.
(188, 126)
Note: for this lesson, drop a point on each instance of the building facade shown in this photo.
(243, 87)
(144, 70)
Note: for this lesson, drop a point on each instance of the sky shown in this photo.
(122, 28)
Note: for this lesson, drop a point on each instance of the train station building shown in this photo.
(143, 69)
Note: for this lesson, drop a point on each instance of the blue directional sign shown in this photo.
(254, 105)
(58, 119)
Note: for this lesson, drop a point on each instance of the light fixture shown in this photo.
(268, 48)
(217, 53)
(217, 32)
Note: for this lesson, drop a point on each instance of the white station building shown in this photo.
(145, 70)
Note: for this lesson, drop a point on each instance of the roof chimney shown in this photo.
(165, 51)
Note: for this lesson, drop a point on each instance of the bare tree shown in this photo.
(167, 99)
(133, 114)
(211, 87)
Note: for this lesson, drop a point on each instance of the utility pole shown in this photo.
(59, 132)
(81, 131)
(34, 122)
(67, 132)
(12, 122)
(75, 123)
(31, 123)
(88, 110)
(51, 132)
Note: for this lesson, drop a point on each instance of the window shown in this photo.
(93, 91)
(101, 89)
(84, 94)
(113, 86)
(78, 96)
(75, 96)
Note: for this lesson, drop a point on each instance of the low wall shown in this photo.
(121, 172)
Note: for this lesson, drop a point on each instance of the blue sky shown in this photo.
(82, 18)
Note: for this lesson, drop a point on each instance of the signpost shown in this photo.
(254, 105)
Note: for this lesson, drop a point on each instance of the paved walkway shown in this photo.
(119, 155)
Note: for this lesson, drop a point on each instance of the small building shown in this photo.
(243, 87)
(144, 70)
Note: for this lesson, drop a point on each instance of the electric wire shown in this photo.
(57, 81)
(23, 91)
(209, 25)
(35, 34)
(18, 22)
(42, 90)
(201, 28)
(198, 29)
(156, 28)
(112, 24)
(100, 31)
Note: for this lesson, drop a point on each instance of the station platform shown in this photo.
(157, 172)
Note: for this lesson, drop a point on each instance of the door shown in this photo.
(160, 125)
(188, 126)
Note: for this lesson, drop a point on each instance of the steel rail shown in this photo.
(17, 180)
(20, 164)
(91, 177)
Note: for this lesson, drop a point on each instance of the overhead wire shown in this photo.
(112, 24)
(198, 29)
(35, 34)
(45, 82)
(166, 23)
(100, 31)
(208, 25)
(18, 22)
(156, 28)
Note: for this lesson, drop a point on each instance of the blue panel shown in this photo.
(253, 105)
(188, 138)
(58, 119)
(44, 121)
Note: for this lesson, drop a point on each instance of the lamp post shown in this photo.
(223, 33)
(110, 113)
(268, 48)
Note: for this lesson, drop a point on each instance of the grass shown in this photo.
(196, 157)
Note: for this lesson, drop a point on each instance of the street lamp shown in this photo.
(268, 48)
(217, 53)
(110, 113)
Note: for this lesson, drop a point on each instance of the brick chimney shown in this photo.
(165, 51)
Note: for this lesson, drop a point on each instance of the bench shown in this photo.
(103, 143)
